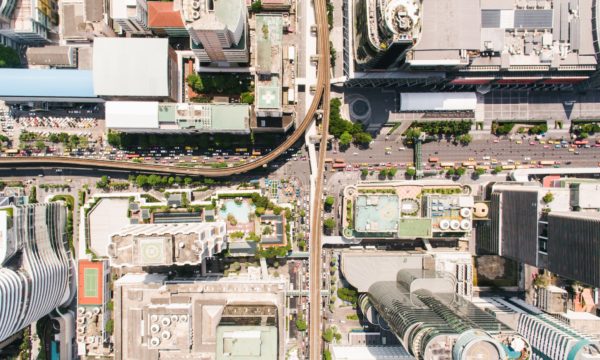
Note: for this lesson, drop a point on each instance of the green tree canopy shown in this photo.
(8, 57)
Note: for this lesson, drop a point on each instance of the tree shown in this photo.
(345, 139)
(412, 133)
(54, 138)
(584, 135)
(329, 224)
(383, 173)
(33, 195)
(109, 327)
(256, 6)
(451, 172)
(410, 172)
(548, 198)
(364, 172)
(141, 180)
(247, 97)
(479, 171)
(392, 172)
(328, 335)
(465, 139)
(461, 171)
(326, 354)
(497, 169)
(103, 182)
(329, 200)
(8, 57)
(302, 245)
(187, 181)
(301, 324)
(363, 138)
(40, 145)
(267, 230)
(195, 82)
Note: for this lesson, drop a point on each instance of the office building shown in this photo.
(399, 211)
(422, 309)
(547, 235)
(470, 44)
(131, 16)
(148, 117)
(218, 31)
(573, 242)
(35, 265)
(166, 244)
(229, 318)
(29, 22)
(135, 68)
(549, 337)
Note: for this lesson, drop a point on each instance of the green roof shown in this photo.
(230, 117)
(411, 228)
(246, 342)
(166, 113)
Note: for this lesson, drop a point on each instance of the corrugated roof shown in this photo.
(162, 15)
(230, 117)
(46, 83)
(50, 55)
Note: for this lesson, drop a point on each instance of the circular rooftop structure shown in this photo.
(409, 206)
(401, 16)
(480, 210)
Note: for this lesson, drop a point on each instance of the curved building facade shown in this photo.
(426, 315)
(35, 279)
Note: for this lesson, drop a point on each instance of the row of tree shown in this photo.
(344, 130)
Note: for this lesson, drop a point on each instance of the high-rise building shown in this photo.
(548, 234)
(131, 16)
(466, 44)
(35, 264)
(219, 30)
(549, 337)
(229, 318)
(432, 322)
(166, 244)
(31, 22)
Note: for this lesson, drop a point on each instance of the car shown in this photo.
(527, 158)
(542, 142)
(546, 146)
(571, 150)
(518, 142)
(496, 141)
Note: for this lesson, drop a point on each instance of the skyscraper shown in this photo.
(422, 309)
(35, 264)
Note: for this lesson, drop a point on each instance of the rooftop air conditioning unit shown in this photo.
(155, 341)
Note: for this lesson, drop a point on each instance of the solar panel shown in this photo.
(533, 19)
(490, 18)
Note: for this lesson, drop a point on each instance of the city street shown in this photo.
(503, 150)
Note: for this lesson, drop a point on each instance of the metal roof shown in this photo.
(131, 67)
(46, 83)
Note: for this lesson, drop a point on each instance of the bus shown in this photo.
(328, 160)
(508, 167)
(469, 163)
(11, 152)
(339, 161)
(547, 162)
(581, 142)
(132, 156)
(433, 159)
(256, 153)
(339, 165)
(447, 164)
(241, 150)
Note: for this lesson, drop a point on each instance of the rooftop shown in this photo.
(542, 35)
(369, 352)
(377, 213)
(90, 283)
(48, 83)
(135, 67)
(131, 114)
(51, 56)
(162, 14)
(166, 244)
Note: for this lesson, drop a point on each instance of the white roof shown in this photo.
(131, 67)
(118, 8)
(369, 353)
(131, 114)
(446, 101)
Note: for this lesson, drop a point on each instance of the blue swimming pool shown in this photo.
(240, 211)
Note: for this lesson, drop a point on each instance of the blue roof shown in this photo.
(46, 83)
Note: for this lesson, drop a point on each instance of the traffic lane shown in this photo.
(502, 151)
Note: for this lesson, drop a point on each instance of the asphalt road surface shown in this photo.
(504, 150)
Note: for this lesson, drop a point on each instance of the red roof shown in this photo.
(162, 15)
(95, 287)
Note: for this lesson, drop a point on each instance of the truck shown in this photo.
(433, 159)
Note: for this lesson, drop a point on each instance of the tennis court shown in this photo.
(90, 288)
